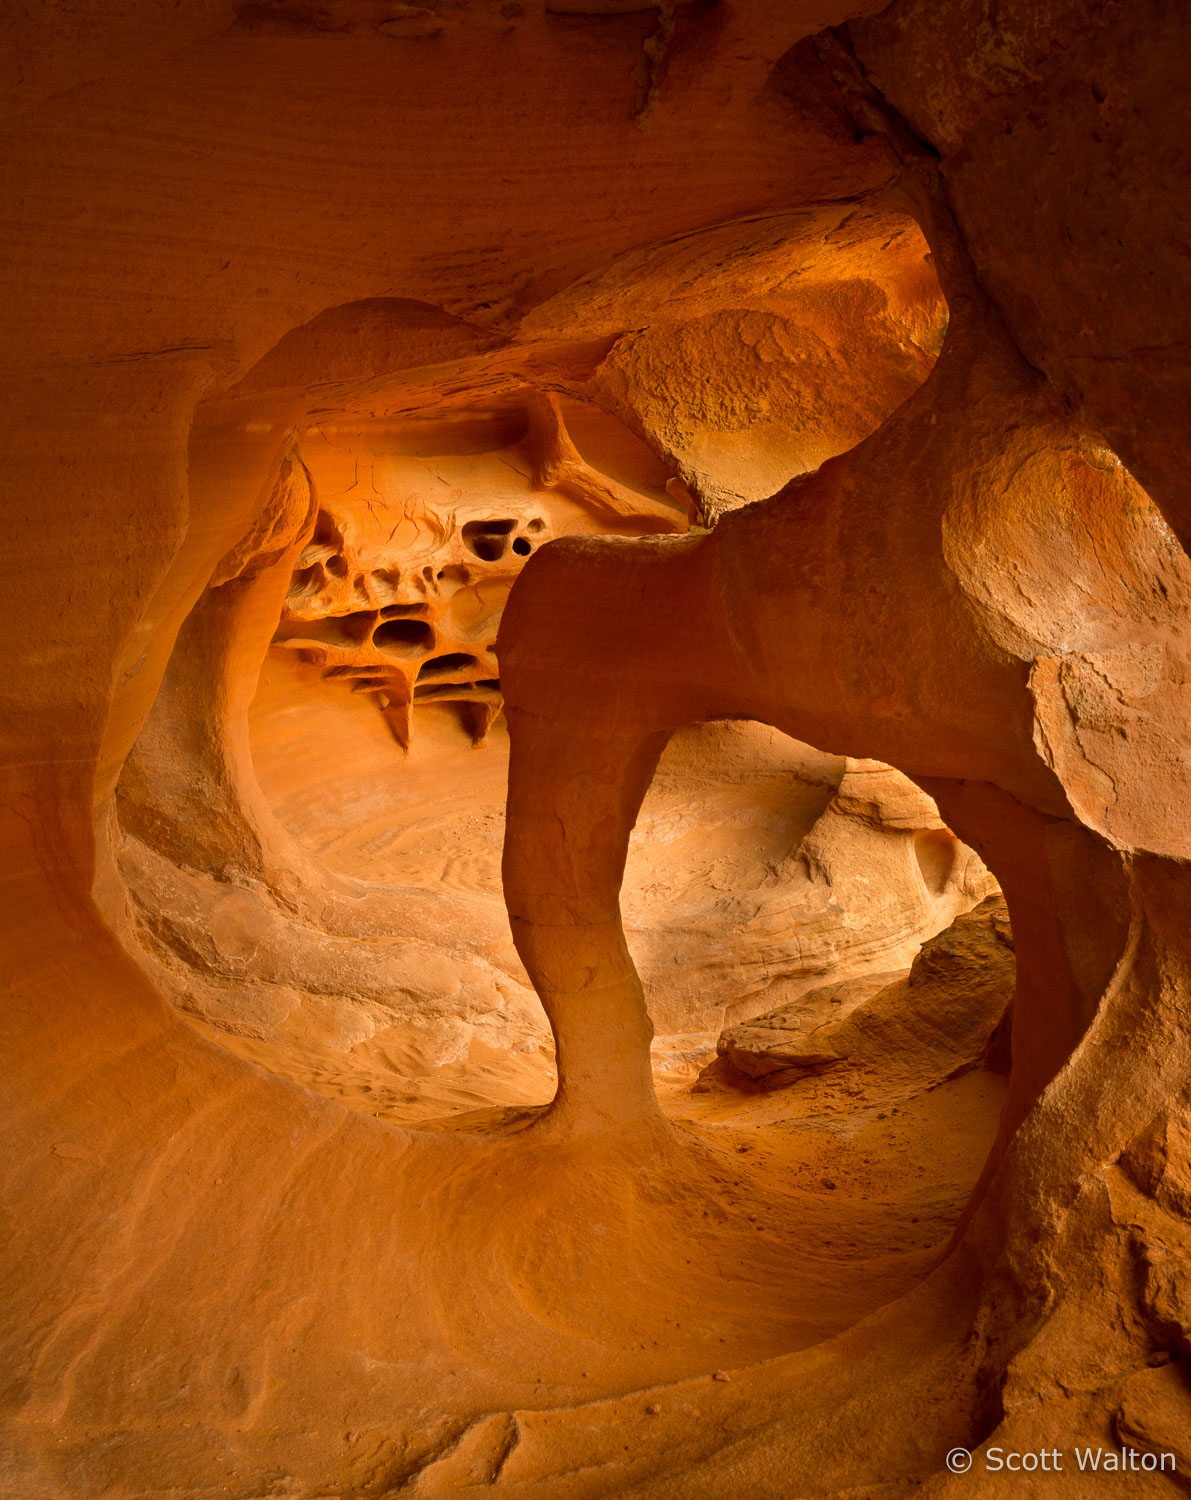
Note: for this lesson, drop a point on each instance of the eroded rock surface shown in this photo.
(358, 942)
(759, 866)
(945, 1016)
(228, 224)
(399, 589)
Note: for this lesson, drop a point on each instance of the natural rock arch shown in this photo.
(221, 1276)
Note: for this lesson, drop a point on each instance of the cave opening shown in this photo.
(828, 969)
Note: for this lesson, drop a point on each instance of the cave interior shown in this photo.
(598, 750)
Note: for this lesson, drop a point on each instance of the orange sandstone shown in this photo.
(840, 351)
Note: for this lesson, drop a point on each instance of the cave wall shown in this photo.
(188, 186)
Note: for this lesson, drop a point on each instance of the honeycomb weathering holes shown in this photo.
(454, 661)
(403, 637)
(396, 585)
(488, 539)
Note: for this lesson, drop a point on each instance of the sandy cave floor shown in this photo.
(761, 1223)
(768, 1221)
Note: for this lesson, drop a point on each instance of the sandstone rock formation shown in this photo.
(759, 867)
(947, 1011)
(399, 589)
(388, 550)
(861, 328)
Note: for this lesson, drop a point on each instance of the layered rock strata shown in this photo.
(951, 1010)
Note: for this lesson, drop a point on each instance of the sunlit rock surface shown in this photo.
(843, 352)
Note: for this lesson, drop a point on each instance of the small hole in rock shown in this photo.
(487, 539)
(403, 637)
(341, 631)
(454, 661)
